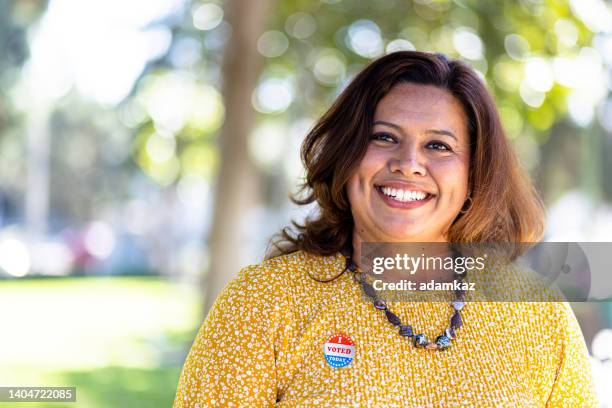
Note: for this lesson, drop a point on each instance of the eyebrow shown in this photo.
(434, 131)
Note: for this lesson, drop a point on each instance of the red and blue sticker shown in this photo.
(339, 350)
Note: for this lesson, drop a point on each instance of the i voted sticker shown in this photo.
(339, 350)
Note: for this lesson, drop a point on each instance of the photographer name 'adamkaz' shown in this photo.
(432, 285)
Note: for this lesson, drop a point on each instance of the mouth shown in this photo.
(403, 198)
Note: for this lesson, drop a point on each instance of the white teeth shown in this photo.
(403, 195)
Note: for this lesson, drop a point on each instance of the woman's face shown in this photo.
(413, 180)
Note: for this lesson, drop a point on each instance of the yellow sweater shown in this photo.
(266, 339)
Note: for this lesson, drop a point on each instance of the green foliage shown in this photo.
(311, 49)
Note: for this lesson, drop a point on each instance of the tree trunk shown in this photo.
(236, 188)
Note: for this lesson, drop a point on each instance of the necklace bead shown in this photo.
(405, 331)
(456, 321)
(380, 304)
(420, 340)
(443, 342)
(450, 333)
(392, 317)
(457, 304)
(369, 290)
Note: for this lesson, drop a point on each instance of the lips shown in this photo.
(399, 196)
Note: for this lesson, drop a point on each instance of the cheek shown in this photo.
(352, 188)
(362, 177)
(452, 177)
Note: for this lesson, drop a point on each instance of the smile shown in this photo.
(403, 195)
(403, 198)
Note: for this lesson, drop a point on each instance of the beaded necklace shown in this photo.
(420, 340)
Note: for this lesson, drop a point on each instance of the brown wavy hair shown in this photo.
(505, 207)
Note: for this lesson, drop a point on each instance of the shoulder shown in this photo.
(553, 322)
(272, 279)
(565, 320)
(253, 299)
(272, 272)
(301, 265)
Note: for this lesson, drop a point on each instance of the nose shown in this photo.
(408, 161)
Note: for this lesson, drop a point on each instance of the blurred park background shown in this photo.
(147, 149)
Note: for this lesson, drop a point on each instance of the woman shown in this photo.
(411, 151)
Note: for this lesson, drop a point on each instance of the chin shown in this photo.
(405, 235)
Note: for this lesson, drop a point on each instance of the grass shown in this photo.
(121, 341)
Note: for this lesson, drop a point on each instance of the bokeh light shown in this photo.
(273, 95)
(300, 25)
(100, 239)
(329, 66)
(364, 38)
(272, 44)
(400, 45)
(14, 257)
(468, 44)
(267, 144)
(516, 46)
(207, 16)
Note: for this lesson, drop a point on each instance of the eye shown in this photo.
(383, 136)
(439, 146)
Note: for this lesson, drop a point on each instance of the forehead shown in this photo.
(409, 104)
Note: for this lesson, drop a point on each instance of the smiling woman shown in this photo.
(412, 151)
